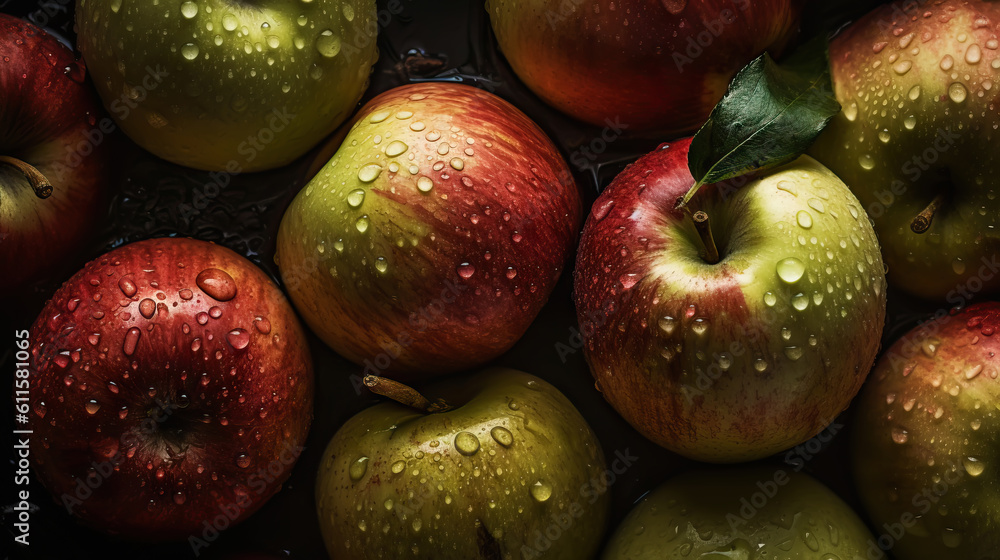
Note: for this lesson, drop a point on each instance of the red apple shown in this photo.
(435, 234)
(925, 456)
(171, 385)
(50, 134)
(646, 65)
(738, 355)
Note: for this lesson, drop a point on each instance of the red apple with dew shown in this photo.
(740, 338)
(434, 236)
(53, 153)
(657, 66)
(925, 457)
(171, 384)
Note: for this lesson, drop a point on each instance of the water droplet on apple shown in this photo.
(930, 346)
(131, 340)
(699, 326)
(951, 538)
(902, 67)
(92, 407)
(238, 338)
(243, 460)
(328, 44)
(770, 299)
(667, 324)
(362, 224)
(355, 198)
(381, 264)
(973, 54)
(425, 184)
(790, 270)
(358, 468)
(466, 270)
(127, 286)
(466, 443)
(957, 92)
(851, 111)
(867, 162)
(800, 302)
(899, 435)
(804, 219)
(147, 307)
(189, 9)
(541, 491)
(973, 371)
(396, 148)
(398, 467)
(502, 435)
(914, 93)
(760, 365)
(190, 51)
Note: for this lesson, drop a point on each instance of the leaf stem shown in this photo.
(683, 201)
(701, 223)
(403, 394)
(38, 182)
(922, 222)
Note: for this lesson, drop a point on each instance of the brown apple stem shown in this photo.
(403, 394)
(922, 222)
(704, 228)
(41, 185)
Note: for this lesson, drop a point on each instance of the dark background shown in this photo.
(430, 40)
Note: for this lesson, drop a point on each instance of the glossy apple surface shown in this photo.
(218, 85)
(170, 384)
(925, 450)
(918, 120)
(653, 66)
(744, 513)
(743, 358)
(49, 119)
(435, 234)
(513, 471)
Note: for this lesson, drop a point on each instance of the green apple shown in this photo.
(513, 471)
(926, 456)
(741, 514)
(740, 356)
(221, 85)
(915, 138)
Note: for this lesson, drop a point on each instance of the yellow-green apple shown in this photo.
(53, 153)
(739, 356)
(171, 389)
(925, 448)
(742, 513)
(218, 85)
(658, 66)
(432, 238)
(916, 83)
(512, 471)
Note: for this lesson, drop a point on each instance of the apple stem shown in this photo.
(922, 222)
(403, 394)
(41, 185)
(704, 228)
(683, 201)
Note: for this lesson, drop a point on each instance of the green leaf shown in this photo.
(770, 116)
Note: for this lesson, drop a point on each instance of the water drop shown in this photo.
(957, 92)
(358, 468)
(217, 284)
(466, 270)
(369, 172)
(667, 324)
(899, 435)
(502, 435)
(541, 491)
(425, 184)
(770, 299)
(238, 338)
(362, 224)
(328, 44)
(92, 407)
(189, 51)
(355, 198)
(131, 340)
(790, 270)
(974, 466)
(396, 148)
(147, 307)
(243, 460)
(466, 443)
(804, 219)
(127, 287)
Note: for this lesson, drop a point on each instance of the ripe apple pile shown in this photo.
(914, 141)
(745, 353)
(434, 235)
(171, 385)
(53, 157)
(220, 85)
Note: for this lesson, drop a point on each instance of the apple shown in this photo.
(925, 459)
(650, 66)
(912, 141)
(740, 356)
(170, 385)
(53, 156)
(512, 471)
(743, 513)
(435, 234)
(218, 85)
